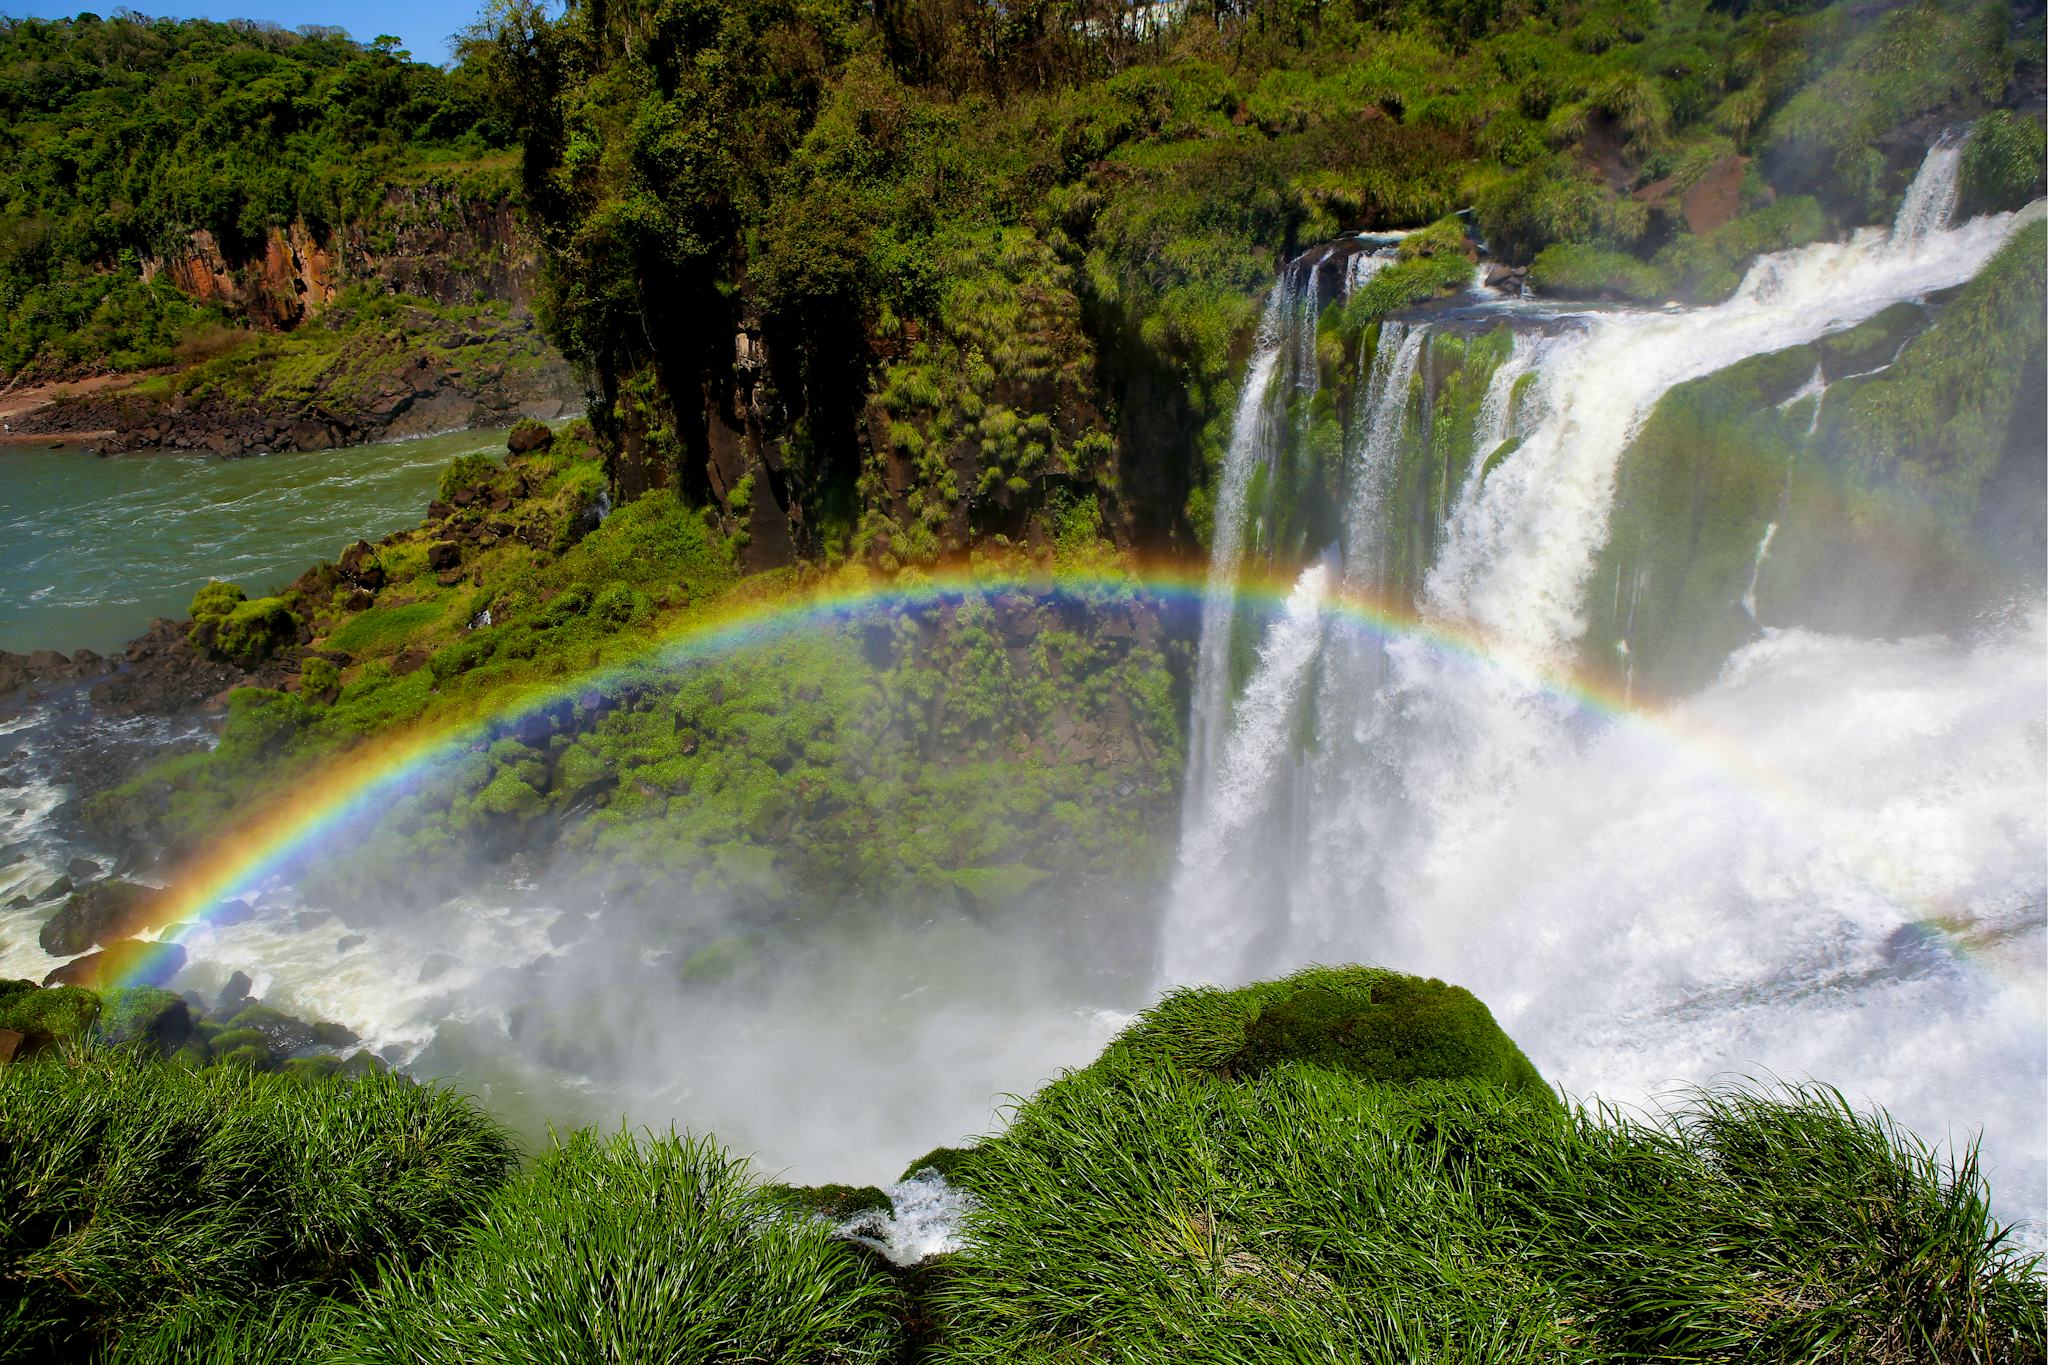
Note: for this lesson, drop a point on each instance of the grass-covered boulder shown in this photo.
(2004, 163)
(1375, 1024)
(230, 625)
(46, 1015)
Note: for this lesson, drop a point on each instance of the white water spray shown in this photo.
(1732, 889)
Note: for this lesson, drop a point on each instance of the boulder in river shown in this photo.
(100, 913)
(234, 996)
(127, 961)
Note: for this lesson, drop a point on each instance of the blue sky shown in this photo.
(425, 26)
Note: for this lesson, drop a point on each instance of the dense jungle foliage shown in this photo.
(120, 137)
(975, 747)
(1347, 1155)
(979, 258)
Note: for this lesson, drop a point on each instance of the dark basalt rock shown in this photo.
(436, 965)
(124, 961)
(82, 869)
(234, 996)
(100, 913)
(281, 1032)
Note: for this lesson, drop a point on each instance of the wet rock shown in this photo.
(348, 941)
(435, 966)
(234, 997)
(238, 911)
(443, 554)
(83, 869)
(63, 886)
(335, 1035)
(280, 1031)
(100, 913)
(126, 961)
(569, 926)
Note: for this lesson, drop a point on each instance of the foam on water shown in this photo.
(925, 1223)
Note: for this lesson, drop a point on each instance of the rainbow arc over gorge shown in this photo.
(353, 785)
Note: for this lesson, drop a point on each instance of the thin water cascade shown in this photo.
(1730, 886)
(1931, 199)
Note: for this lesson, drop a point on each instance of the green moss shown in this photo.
(244, 632)
(1398, 1030)
(63, 1012)
(2003, 163)
(1576, 269)
(955, 1165)
(835, 1203)
(384, 630)
(142, 1014)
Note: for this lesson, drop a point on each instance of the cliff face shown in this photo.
(435, 240)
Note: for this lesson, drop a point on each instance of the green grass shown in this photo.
(135, 1190)
(1164, 1214)
(1227, 1183)
(623, 1249)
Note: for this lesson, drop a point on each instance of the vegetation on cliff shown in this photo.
(121, 138)
(991, 744)
(956, 271)
(1169, 1202)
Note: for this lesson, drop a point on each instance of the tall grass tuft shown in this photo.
(612, 1249)
(134, 1193)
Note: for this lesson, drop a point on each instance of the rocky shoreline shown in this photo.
(385, 392)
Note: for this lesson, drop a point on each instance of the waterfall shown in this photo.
(1931, 198)
(1642, 901)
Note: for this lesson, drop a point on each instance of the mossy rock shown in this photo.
(58, 1012)
(280, 1032)
(245, 1045)
(1398, 1030)
(955, 1165)
(147, 1015)
(835, 1202)
(1374, 1023)
(244, 631)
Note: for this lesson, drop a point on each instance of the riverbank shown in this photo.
(373, 367)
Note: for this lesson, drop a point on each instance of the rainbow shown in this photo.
(378, 772)
(330, 800)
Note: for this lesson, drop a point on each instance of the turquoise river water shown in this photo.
(92, 549)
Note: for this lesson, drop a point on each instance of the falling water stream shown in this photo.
(1828, 863)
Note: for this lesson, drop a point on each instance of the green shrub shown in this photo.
(2003, 163)
(1576, 269)
(624, 1250)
